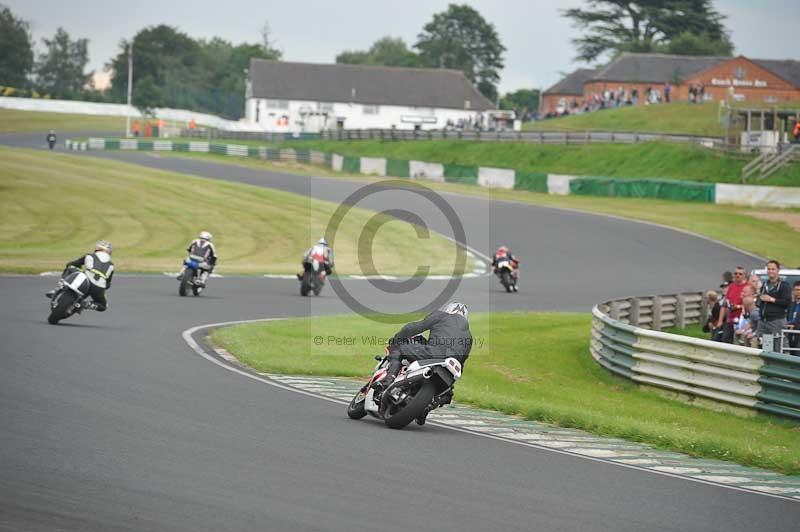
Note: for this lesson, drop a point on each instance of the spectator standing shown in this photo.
(635, 100)
(793, 318)
(796, 132)
(702, 92)
(748, 323)
(710, 326)
(755, 283)
(774, 300)
(734, 297)
(724, 309)
(667, 91)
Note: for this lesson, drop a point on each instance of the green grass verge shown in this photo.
(54, 206)
(741, 227)
(536, 365)
(14, 121)
(675, 118)
(644, 160)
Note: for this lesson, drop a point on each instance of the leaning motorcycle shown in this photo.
(421, 387)
(505, 271)
(313, 278)
(69, 297)
(189, 279)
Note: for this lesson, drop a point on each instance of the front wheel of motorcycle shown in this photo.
(397, 417)
(357, 407)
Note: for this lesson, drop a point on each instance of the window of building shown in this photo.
(370, 109)
(277, 104)
(325, 107)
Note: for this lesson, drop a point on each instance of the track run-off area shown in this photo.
(114, 422)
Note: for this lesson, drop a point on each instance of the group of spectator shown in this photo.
(747, 309)
(610, 98)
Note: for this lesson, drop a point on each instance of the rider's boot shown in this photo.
(51, 293)
(201, 281)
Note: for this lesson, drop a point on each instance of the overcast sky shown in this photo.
(536, 36)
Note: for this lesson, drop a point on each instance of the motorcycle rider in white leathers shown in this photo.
(99, 270)
(203, 251)
(322, 253)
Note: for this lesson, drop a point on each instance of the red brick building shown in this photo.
(760, 81)
(566, 93)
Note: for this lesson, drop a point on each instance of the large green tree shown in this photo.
(613, 26)
(181, 72)
(387, 51)
(522, 101)
(460, 38)
(16, 50)
(60, 70)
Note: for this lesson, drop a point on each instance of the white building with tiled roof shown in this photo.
(291, 97)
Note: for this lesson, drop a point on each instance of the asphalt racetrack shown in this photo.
(111, 422)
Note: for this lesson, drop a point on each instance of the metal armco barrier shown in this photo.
(626, 340)
(535, 137)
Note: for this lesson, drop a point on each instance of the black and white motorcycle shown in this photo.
(421, 387)
(69, 297)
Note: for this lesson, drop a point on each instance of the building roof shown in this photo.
(787, 69)
(572, 83)
(373, 85)
(655, 68)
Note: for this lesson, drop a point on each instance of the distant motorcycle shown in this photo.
(68, 299)
(313, 278)
(421, 387)
(190, 278)
(505, 271)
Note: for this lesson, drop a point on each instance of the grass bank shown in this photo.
(741, 227)
(644, 160)
(14, 121)
(536, 365)
(54, 207)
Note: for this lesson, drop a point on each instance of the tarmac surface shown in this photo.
(112, 422)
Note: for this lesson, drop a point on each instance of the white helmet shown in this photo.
(456, 307)
(103, 245)
(322, 241)
(205, 235)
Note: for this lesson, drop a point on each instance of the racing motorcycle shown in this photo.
(69, 297)
(190, 278)
(505, 271)
(419, 388)
(313, 278)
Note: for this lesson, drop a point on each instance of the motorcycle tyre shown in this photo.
(357, 409)
(415, 407)
(505, 279)
(65, 301)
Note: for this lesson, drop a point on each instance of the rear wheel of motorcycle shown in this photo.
(357, 407)
(61, 308)
(183, 288)
(506, 280)
(305, 285)
(413, 409)
(317, 290)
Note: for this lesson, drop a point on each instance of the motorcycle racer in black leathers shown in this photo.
(99, 269)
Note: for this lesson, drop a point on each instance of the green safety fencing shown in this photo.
(457, 173)
(144, 145)
(531, 181)
(302, 155)
(397, 168)
(644, 188)
(177, 146)
(351, 164)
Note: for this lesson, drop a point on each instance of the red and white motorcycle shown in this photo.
(419, 388)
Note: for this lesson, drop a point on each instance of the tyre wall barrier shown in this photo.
(506, 178)
(627, 341)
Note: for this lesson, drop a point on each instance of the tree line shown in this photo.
(172, 69)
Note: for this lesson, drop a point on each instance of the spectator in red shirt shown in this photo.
(734, 297)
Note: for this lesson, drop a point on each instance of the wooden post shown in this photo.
(703, 310)
(656, 313)
(633, 312)
(680, 311)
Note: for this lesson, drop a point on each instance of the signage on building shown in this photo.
(418, 119)
(724, 82)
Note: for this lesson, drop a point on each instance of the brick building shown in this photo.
(760, 81)
(566, 93)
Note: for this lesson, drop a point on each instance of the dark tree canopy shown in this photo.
(16, 50)
(178, 71)
(649, 26)
(522, 101)
(387, 51)
(460, 38)
(60, 69)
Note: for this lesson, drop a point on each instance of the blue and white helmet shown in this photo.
(322, 241)
(456, 307)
